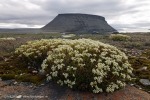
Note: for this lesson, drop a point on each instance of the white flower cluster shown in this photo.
(8, 38)
(65, 59)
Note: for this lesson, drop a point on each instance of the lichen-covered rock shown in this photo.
(145, 82)
(142, 69)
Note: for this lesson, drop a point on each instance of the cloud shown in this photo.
(13, 11)
(119, 13)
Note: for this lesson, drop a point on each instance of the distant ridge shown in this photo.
(76, 22)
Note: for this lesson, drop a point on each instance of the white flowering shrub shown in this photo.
(8, 38)
(81, 64)
(119, 37)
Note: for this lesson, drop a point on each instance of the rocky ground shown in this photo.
(12, 90)
(140, 61)
(138, 52)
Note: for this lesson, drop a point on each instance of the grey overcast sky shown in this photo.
(127, 15)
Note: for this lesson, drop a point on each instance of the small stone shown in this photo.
(31, 86)
(21, 74)
(0, 79)
(42, 84)
(41, 72)
(143, 57)
(143, 69)
(34, 88)
(5, 59)
(134, 78)
(131, 84)
(34, 72)
(145, 82)
(137, 86)
(140, 88)
(132, 75)
(15, 83)
(19, 96)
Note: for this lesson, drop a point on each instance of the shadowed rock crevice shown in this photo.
(83, 23)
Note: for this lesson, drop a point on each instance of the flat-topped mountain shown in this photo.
(75, 22)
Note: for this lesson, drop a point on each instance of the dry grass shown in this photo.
(8, 46)
(138, 41)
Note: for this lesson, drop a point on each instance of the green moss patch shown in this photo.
(17, 68)
(37, 79)
(138, 63)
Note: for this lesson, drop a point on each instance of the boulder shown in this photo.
(145, 82)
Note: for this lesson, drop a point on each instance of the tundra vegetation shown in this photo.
(81, 64)
(88, 62)
(119, 37)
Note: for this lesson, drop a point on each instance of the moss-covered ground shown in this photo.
(137, 64)
(12, 67)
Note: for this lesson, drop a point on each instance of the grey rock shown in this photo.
(42, 84)
(0, 79)
(142, 69)
(131, 84)
(145, 82)
(143, 57)
(21, 74)
(19, 96)
(29, 67)
(30, 86)
(34, 71)
(137, 86)
(134, 78)
(41, 72)
(15, 83)
(5, 59)
(79, 23)
(132, 75)
(11, 66)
